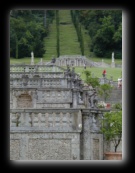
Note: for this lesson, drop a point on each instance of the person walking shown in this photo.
(104, 73)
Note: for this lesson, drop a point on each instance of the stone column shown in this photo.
(74, 98)
(34, 98)
(24, 146)
(15, 99)
(85, 137)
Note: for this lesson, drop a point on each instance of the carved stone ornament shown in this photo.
(25, 79)
(92, 98)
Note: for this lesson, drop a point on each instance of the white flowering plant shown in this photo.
(102, 104)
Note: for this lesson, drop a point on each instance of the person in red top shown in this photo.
(104, 73)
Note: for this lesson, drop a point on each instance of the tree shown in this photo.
(112, 127)
(18, 33)
(92, 81)
(103, 38)
(104, 28)
(27, 33)
(57, 28)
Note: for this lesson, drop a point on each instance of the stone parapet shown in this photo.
(47, 120)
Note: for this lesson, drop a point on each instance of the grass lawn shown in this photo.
(106, 60)
(97, 72)
(26, 60)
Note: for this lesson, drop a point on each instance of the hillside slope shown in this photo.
(69, 44)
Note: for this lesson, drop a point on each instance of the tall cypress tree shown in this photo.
(57, 29)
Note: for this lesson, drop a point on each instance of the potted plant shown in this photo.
(111, 127)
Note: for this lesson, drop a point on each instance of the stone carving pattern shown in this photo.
(35, 82)
(92, 98)
(95, 126)
(54, 106)
(51, 96)
(31, 75)
(49, 149)
(14, 149)
(95, 149)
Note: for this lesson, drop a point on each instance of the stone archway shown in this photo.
(24, 101)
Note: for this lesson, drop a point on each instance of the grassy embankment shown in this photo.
(69, 45)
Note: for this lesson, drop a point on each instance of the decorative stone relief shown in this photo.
(92, 98)
(54, 97)
(14, 149)
(95, 149)
(49, 149)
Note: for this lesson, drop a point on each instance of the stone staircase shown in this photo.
(51, 117)
(115, 96)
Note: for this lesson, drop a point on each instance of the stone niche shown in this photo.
(24, 101)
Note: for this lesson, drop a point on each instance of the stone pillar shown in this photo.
(85, 137)
(74, 98)
(34, 98)
(15, 95)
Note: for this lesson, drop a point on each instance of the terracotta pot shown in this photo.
(113, 156)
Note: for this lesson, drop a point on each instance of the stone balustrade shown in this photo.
(37, 74)
(104, 80)
(72, 60)
(60, 120)
(38, 82)
(35, 68)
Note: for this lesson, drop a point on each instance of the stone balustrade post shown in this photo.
(74, 98)
(85, 137)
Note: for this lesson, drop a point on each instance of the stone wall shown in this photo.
(55, 134)
(51, 117)
(44, 146)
